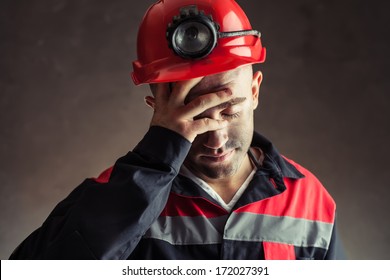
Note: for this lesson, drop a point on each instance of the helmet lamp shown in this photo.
(194, 35)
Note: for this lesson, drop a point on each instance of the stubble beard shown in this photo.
(221, 170)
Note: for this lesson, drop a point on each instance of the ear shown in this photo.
(150, 101)
(256, 82)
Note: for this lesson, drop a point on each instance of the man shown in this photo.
(201, 184)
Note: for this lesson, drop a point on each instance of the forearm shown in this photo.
(107, 220)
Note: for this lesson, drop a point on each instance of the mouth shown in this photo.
(220, 157)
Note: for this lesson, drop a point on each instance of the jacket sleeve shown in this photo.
(107, 220)
(336, 248)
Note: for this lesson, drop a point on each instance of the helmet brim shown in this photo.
(175, 69)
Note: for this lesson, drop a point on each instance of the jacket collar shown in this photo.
(274, 162)
(274, 166)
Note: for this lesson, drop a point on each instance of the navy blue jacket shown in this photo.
(142, 208)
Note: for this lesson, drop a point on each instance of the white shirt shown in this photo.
(206, 187)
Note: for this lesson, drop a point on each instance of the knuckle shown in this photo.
(201, 102)
(206, 121)
(225, 93)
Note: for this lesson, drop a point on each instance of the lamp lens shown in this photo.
(193, 38)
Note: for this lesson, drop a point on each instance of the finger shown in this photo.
(161, 92)
(206, 124)
(205, 102)
(181, 89)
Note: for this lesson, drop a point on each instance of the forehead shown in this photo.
(217, 82)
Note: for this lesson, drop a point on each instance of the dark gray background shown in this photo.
(68, 108)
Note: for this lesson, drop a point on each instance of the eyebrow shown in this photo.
(231, 102)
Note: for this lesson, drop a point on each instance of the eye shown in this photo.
(230, 116)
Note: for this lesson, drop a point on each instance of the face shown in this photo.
(220, 154)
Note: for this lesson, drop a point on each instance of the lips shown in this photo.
(218, 158)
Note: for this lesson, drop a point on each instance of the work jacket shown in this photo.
(142, 208)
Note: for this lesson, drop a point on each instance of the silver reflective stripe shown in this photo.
(182, 230)
(289, 230)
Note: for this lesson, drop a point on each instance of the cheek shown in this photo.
(242, 129)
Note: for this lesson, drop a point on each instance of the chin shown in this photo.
(219, 172)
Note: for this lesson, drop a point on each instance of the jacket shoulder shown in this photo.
(312, 192)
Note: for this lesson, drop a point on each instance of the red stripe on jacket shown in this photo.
(304, 198)
(178, 205)
(104, 176)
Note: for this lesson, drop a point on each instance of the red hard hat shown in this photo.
(157, 61)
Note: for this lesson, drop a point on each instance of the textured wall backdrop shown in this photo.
(68, 108)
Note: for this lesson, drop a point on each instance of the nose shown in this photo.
(216, 139)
